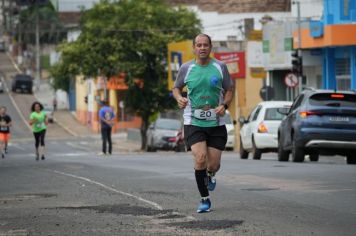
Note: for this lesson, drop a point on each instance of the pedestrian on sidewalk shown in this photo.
(107, 121)
(5, 124)
(209, 93)
(54, 104)
(39, 122)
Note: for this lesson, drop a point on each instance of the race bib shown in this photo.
(205, 115)
(40, 125)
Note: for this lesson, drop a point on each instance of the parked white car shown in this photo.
(259, 131)
(230, 128)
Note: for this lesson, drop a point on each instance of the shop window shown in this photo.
(343, 73)
(345, 9)
(122, 112)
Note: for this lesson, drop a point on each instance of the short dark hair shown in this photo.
(205, 35)
(34, 104)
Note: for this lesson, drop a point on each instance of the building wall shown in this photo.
(339, 12)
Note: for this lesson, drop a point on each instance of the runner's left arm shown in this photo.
(228, 91)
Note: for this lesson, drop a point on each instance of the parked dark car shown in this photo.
(165, 134)
(2, 46)
(1, 86)
(22, 82)
(319, 122)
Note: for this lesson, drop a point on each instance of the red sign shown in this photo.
(235, 62)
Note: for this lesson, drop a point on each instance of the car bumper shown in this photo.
(327, 138)
(165, 145)
(230, 141)
(265, 140)
(331, 144)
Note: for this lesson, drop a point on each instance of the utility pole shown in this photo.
(300, 76)
(38, 73)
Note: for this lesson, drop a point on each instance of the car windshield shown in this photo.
(333, 100)
(169, 124)
(273, 114)
(23, 77)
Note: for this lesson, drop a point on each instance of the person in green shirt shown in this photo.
(39, 122)
(209, 93)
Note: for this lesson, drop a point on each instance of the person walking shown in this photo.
(106, 116)
(39, 122)
(209, 93)
(54, 104)
(5, 124)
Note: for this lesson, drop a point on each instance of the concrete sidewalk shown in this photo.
(120, 142)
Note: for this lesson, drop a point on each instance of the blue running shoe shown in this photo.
(211, 183)
(204, 206)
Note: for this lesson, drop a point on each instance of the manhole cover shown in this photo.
(207, 224)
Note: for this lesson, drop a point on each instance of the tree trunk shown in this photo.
(144, 127)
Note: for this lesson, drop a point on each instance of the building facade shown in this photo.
(334, 36)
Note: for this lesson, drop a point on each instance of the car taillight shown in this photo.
(262, 128)
(305, 114)
(338, 96)
(172, 139)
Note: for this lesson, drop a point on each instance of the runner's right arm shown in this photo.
(179, 85)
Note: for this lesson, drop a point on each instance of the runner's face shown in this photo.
(2, 111)
(37, 107)
(202, 47)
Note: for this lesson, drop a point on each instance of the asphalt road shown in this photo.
(19, 106)
(76, 192)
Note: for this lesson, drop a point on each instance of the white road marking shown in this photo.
(74, 145)
(13, 145)
(156, 205)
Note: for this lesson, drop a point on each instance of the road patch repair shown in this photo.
(168, 218)
(24, 197)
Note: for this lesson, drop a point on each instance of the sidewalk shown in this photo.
(120, 143)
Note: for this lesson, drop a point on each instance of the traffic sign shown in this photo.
(291, 80)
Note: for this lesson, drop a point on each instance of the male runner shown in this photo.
(5, 124)
(209, 93)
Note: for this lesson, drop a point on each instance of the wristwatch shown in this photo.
(225, 106)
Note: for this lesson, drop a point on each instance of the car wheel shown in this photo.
(351, 160)
(243, 152)
(314, 157)
(297, 152)
(283, 155)
(256, 153)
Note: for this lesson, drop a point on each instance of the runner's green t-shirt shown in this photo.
(205, 88)
(39, 124)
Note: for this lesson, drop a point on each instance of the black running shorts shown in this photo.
(215, 137)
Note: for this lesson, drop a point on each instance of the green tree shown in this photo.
(131, 36)
(51, 28)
